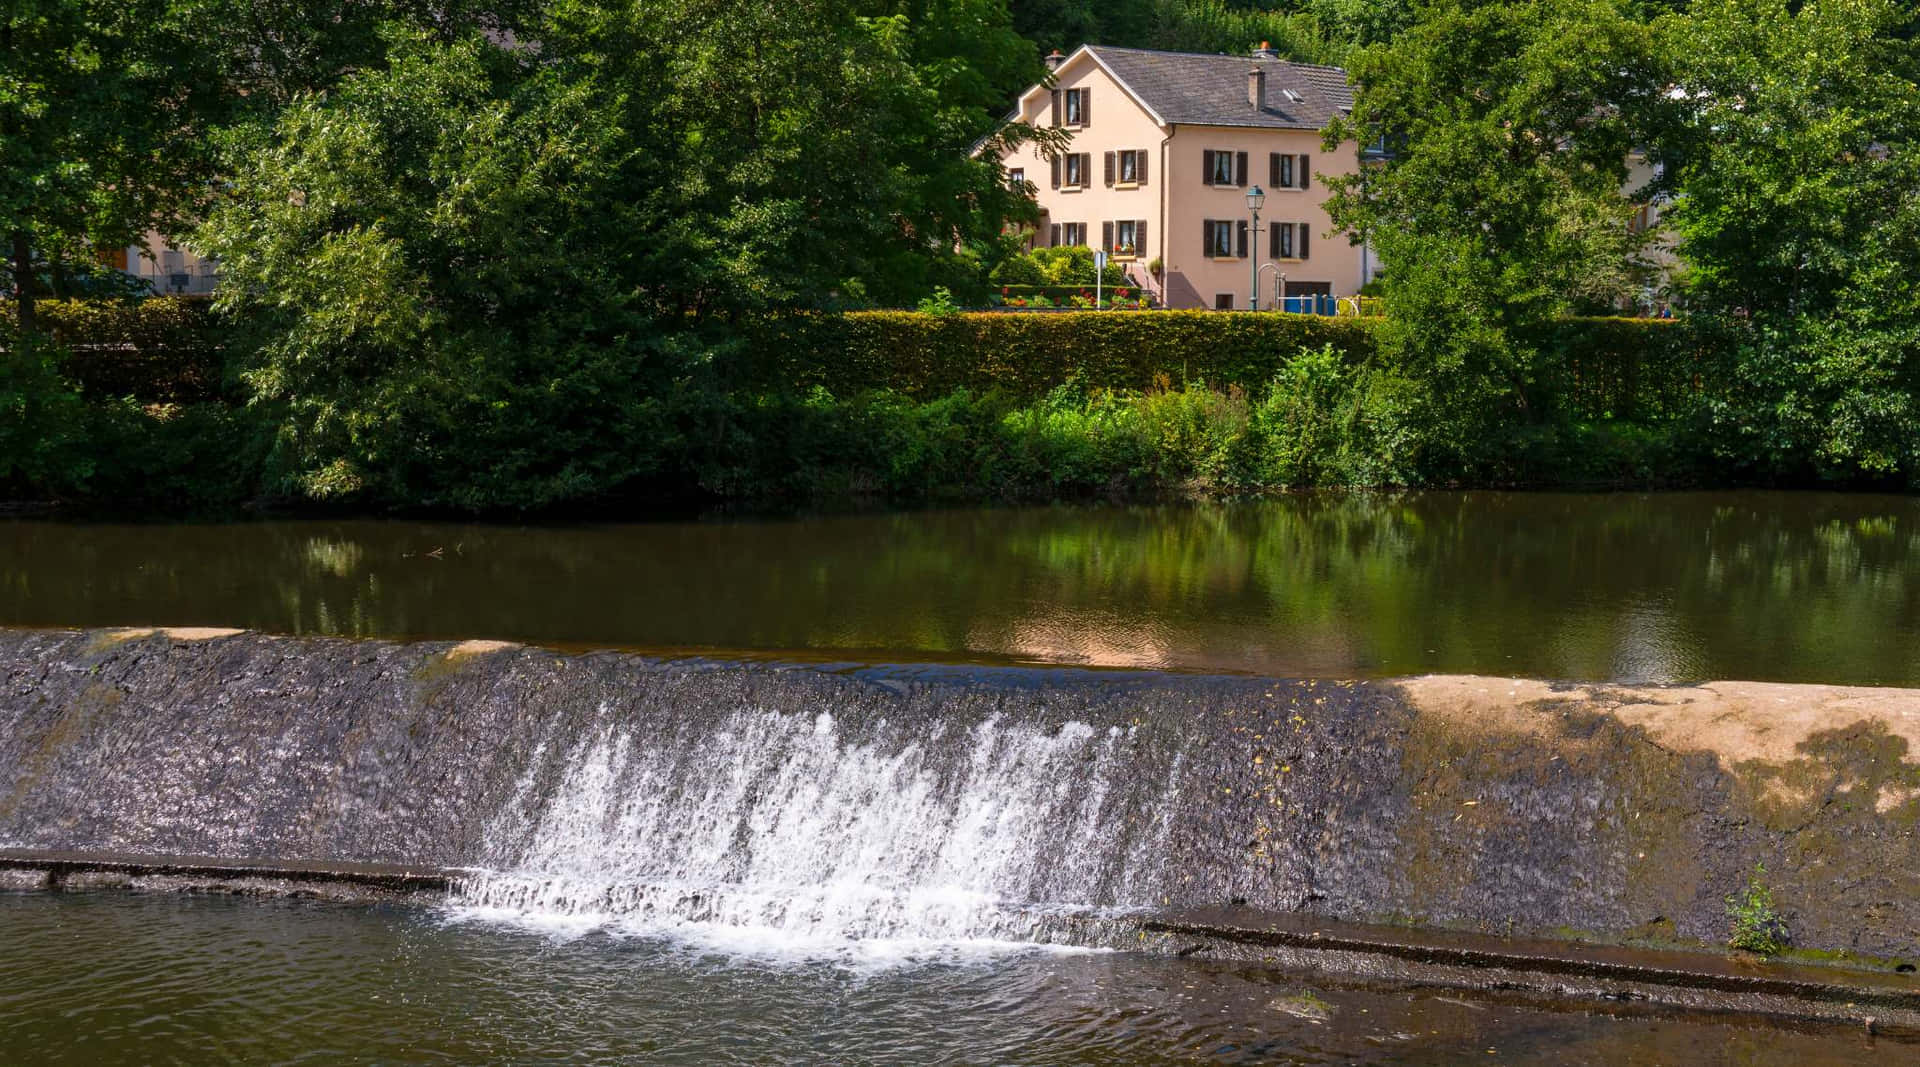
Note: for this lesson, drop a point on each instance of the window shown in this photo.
(1073, 234)
(1220, 168)
(1126, 237)
(1223, 301)
(1076, 105)
(1076, 170)
(1016, 178)
(1127, 168)
(1287, 171)
(1219, 234)
(1289, 240)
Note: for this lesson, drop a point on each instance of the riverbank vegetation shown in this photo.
(528, 256)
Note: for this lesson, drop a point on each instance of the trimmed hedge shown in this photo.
(171, 349)
(166, 349)
(1627, 369)
(926, 356)
(1597, 368)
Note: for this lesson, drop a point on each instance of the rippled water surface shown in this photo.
(1666, 587)
(113, 978)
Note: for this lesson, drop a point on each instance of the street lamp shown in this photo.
(1255, 197)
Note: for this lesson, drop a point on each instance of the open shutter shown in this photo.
(1106, 236)
(1206, 167)
(1240, 169)
(1053, 236)
(1053, 114)
(1206, 237)
(1109, 161)
(1140, 165)
(1300, 249)
(1302, 176)
(1140, 238)
(1056, 172)
(1240, 240)
(1273, 170)
(1276, 248)
(1086, 107)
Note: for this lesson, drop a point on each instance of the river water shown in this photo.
(1664, 587)
(583, 942)
(165, 978)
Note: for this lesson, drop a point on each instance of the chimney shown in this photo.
(1055, 59)
(1257, 89)
(1265, 51)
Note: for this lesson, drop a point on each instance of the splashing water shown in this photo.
(796, 831)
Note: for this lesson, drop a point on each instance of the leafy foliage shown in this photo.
(1797, 219)
(1502, 201)
(1754, 924)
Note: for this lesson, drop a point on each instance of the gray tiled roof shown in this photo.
(1211, 90)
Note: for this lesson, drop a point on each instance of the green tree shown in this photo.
(485, 277)
(1501, 203)
(104, 119)
(1799, 225)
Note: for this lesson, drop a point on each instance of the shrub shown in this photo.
(1756, 926)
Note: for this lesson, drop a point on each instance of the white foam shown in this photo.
(786, 836)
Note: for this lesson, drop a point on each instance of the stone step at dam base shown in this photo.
(961, 803)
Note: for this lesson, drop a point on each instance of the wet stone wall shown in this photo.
(926, 799)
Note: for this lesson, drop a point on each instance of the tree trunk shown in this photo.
(23, 280)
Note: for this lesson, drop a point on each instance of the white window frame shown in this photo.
(1076, 108)
(1220, 243)
(1221, 161)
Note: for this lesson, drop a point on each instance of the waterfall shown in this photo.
(820, 825)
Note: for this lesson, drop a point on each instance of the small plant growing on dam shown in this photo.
(1756, 925)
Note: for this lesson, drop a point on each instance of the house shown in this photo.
(167, 268)
(1166, 147)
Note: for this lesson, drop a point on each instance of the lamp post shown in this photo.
(1255, 197)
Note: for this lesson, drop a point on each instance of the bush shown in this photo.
(1755, 925)
(1059, 265)
(164, 349)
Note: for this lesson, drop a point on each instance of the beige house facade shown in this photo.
(1166, 146)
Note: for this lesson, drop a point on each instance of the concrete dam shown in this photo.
(1004, 803)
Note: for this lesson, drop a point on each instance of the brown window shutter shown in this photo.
(1056, 172)
(1206, 237)
(1273, 170)
(1140, 165)
(1302, 176)
(1086, 107)
(1301, 251)
(1140, 237)
(1053, 235)
(1206, 167)
(1274, 250)
(1053, 115)
(1106, 236)
(1240, 240)
(1109, 161)
(1240, 169)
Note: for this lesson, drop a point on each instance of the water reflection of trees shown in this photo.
(1757, 584)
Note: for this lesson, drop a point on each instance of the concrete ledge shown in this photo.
(1879, 997)
(1558, 973)
(80, 870)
